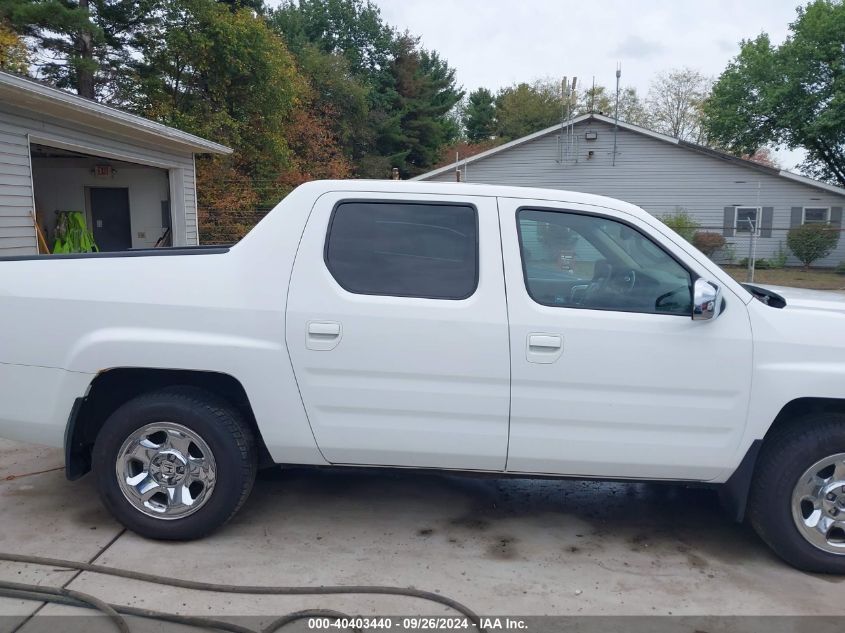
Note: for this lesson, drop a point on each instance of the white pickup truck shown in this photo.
(416, 325)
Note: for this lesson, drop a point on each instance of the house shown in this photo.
(662, 174)
(133, 179)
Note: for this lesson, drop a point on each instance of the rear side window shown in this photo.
(404, 249)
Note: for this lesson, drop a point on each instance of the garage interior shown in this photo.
(125, 205)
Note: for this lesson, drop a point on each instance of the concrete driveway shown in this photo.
(500, 546)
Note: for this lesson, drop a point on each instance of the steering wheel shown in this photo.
(623, 281)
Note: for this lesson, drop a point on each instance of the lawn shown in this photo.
(817, 279)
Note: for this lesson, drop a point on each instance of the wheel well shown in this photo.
(793, 410)
(114, 387)
(734, 492)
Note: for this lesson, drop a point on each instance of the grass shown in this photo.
(815, 279)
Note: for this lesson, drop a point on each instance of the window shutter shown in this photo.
(728, 223)
(766, 221)
(836, 218)
(797, 216)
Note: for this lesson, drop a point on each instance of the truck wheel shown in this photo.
(174, 464)
(797, 500)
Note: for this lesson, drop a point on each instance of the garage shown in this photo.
(64, 158)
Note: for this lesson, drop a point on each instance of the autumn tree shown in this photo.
(14, 56)
(791, 95)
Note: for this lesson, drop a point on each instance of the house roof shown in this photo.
(646, 132)
(38, 97)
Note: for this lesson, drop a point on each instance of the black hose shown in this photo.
(113, 611)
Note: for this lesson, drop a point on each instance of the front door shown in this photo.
(110, 218)
(611, 376)
(397, 330)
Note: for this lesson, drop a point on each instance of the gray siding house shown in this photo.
(133, 179)
(662, 174)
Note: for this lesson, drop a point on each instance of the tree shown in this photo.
(763, 156)
(79, 45)
(479, 116)
(792, 94)
(682, 222)
(14, 57)
(423, 91)
(811, 242)
(675, 101)
(602, 100)
(351, 28)
(527, 108)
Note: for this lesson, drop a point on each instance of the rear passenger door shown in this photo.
(397, 330)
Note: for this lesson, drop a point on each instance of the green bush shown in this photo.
(708, 242)
(840, 269)
(759, 264)
(811, 242)
(682, 223)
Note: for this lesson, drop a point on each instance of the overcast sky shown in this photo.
(495, 43)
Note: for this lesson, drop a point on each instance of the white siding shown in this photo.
(17, 230)
(15, 177)
(657, 176)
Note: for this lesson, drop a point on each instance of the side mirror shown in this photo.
(706, 300)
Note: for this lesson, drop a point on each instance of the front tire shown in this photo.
(797, 499)
(175, 464)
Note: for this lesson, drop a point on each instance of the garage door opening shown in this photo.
(123, 205)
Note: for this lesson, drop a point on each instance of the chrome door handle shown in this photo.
(322, 335)
(543, 348)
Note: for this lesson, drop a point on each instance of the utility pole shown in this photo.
(616, 115)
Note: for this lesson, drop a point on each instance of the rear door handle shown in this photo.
(323, 335)
(543, 348)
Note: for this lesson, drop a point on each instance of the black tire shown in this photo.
(784, 458)
(216, 422)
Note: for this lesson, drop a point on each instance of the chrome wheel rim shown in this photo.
(166, 470)
(818, 504)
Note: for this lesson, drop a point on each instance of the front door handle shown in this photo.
(543, 348)
(322, 335)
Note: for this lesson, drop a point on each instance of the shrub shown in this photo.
(811, 242)
(708, 242)
(840, 269)
(780, 256)
(759, 264)
(682, 223)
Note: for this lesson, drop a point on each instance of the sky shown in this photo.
(495, 43)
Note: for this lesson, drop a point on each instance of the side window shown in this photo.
(572, 260)
(404, 249)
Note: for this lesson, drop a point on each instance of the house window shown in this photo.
(747, 219)
(816, 215)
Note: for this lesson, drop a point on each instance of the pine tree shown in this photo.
(480, 115)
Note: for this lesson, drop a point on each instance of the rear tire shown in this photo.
(175, 464)
(797, 498)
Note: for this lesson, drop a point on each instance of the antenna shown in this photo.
(616, 115)
(593, 96)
